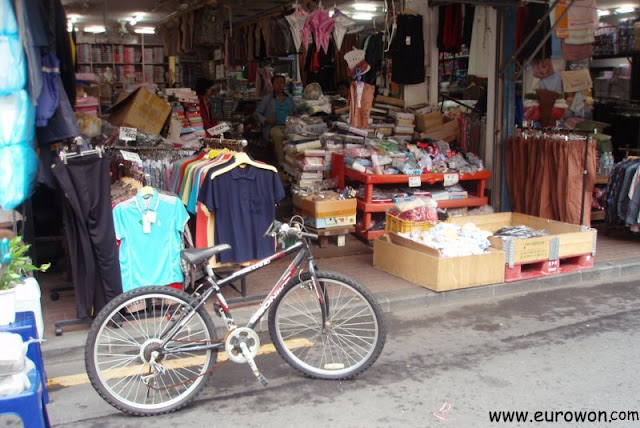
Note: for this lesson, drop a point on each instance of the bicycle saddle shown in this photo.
(198, 255)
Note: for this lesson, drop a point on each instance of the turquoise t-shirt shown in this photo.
(152, 256)
(282, 111)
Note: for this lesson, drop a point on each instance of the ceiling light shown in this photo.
(133, 21)
(365, 7)
(625, 9)
(362, 16)
(94, 29)
(69, 27)
(604, 12)
(73, 18)
(145, 30)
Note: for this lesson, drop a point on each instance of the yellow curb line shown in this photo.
(82, 378)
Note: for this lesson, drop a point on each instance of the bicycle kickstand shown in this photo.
(254, 368)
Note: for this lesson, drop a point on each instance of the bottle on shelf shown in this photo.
(601, 161)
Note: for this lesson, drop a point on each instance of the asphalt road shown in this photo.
(568, 350)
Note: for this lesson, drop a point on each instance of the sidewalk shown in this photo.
(393, 293)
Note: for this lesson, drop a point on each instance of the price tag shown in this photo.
(219, 129)
(415, 181)
(128, 134)
(130, 156)
(451, 179)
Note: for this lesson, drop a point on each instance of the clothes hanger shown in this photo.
(243, 159)
(146, 190)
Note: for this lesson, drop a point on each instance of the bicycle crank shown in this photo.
(242, 345)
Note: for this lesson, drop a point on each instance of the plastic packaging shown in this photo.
(13, 352)
(18, 119)
(13, 70)
(18, 167)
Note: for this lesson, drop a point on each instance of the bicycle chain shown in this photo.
(211, 370)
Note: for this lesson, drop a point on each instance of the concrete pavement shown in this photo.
(394, 295)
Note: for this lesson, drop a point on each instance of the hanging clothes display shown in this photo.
(242, 194)
(341, 27)
(360, 103)
(17, 156)
(467, 26)
(320, 67)
(373, 46)
(479, 57)
(296, 20)
(545, 173)
(149, 227)
(449, 28)
(407, 51)
(88, 224)
(623, 195)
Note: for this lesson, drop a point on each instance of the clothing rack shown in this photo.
(588, 139)
(222, 143)
(149, 148)
(64, 153)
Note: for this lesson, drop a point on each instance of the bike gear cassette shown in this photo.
(237, 336)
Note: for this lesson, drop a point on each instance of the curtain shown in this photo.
(545, 179)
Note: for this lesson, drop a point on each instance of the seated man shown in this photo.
(272, 113)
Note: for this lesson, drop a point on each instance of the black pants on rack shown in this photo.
(88, 222)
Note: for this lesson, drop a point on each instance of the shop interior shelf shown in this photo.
(367, 207)
(404, 179)
(471, 201)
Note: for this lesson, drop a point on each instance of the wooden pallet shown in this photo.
(340, 232)
(523, 271)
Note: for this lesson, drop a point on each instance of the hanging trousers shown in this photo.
(88, 222)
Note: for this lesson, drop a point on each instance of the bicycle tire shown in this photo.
(346, 297)
(130, 334)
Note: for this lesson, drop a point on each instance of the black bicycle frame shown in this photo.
(294, 266)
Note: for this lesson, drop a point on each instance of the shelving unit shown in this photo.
(367, 206)
(131, 62)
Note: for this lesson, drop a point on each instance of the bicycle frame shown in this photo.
(304, 252)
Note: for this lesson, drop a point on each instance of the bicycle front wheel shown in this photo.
(336, 336)
(126, 362)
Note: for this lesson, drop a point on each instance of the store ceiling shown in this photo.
(110, 12)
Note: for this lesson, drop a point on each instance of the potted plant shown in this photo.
(15, 265)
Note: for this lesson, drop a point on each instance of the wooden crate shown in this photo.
(563, 239)
(423, 265)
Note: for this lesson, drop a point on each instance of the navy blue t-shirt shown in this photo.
(244, 201)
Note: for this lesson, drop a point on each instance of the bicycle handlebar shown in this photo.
(283, 229)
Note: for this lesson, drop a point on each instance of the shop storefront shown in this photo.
(386, 122)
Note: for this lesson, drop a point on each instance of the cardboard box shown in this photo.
(428, 121)
(325, 209)
(449, 131)
(563, 239)
(423, 266)
(390, 100)
(141, 110)
(323, 223)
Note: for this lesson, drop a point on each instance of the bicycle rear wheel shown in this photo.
(121, 342)
(339, 341)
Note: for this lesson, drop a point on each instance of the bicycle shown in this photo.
(151, 350)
